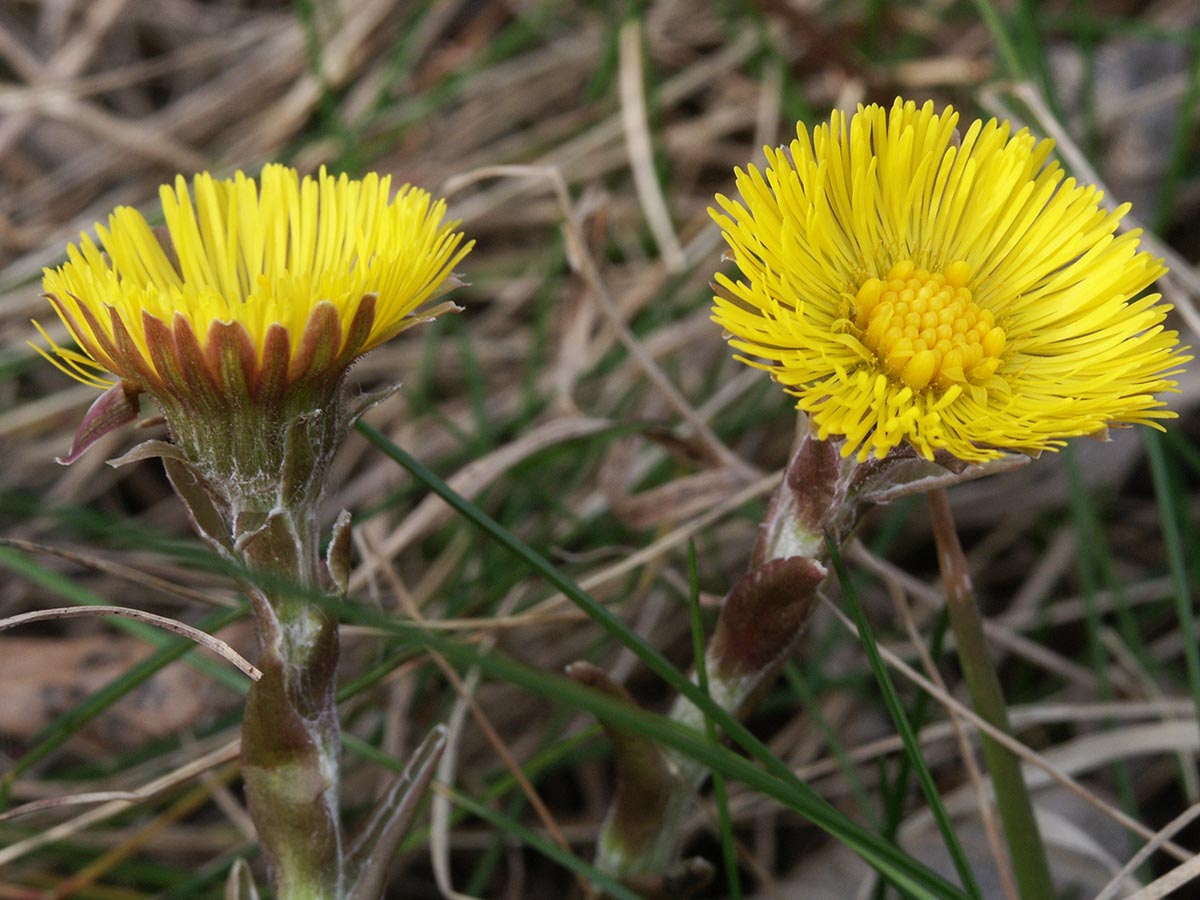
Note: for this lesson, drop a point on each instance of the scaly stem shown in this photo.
(1012, 796)
(761, 618)
(823, 494)
(252, 486)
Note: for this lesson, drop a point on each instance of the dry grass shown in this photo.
(583, 398)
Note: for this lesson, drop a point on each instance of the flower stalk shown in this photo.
(290, 733)
(823, 492)
(940, 303)
(760, 620)
(254, 492)
(1026, 849)
(241, 319)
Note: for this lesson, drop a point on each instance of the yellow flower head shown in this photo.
(255, 291)
(268, 260)
(909, 287)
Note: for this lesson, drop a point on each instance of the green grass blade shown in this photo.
(1027, 32)
(1095, 563)
(912, 747)
(804, 693)
(1167, 495)
(1004, 44)
(894, 804)
(728, 849)
(1181, 141)
(892, 863)
(530, 838)
(327, 107)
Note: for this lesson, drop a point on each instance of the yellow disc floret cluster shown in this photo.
(925, 329)
(956, 292)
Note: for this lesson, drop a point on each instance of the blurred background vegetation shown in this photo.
(584, 400)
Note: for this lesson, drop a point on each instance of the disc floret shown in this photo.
(926, 329)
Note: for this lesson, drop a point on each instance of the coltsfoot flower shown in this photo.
(241, 318)
(911, 288)
(247, 309)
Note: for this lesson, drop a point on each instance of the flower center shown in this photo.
(925, 328)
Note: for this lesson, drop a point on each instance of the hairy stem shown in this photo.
(290, 732)
(761, 619)
(823, 495)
